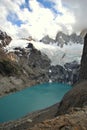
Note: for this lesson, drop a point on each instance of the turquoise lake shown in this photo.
(17, 105)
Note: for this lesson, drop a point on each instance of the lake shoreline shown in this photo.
(31, 119)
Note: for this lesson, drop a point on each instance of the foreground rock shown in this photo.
(77, 97)
(75, 120)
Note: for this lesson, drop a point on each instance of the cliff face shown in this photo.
(83, 70)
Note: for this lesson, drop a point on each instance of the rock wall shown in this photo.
(83, 70)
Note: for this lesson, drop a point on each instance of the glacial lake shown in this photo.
(17, 105)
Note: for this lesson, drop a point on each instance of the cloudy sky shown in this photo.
(22, 18)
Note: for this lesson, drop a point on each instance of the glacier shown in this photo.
(57, 55)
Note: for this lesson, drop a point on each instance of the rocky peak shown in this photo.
(62, 38)
(4, 39)
(46, 39)
(76, 38)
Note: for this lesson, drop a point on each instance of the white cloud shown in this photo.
(79, 10)
(40, 20)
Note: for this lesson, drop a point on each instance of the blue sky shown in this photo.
(13, 18)
(21, 18)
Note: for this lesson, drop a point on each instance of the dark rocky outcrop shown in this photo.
(36, 59)
(68, 74)
(4, 38)
(83, 70)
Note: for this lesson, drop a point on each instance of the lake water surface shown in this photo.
(19, 104)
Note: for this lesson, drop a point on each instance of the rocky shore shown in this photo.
(75, 120)
(31, 119)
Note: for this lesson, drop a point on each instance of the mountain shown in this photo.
(57, 55)
(25, 62)
(62, 38)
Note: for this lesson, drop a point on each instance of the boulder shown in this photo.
(76, 97)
